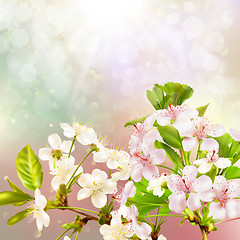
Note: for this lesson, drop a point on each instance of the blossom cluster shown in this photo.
(179, 164)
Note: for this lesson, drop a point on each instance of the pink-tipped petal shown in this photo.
(234, 134)
(220, 184)
(193, 201)
(189, 143)
(177, 202)
(217, 130)
(175, 183)
(233, 208)
(157, 156)
(233, 190)
(136, 173)
(217, 210)
(189, 174)
(150, 171)
(210, 144)
(143, 231)
(203, 184)
(184, 126)
(162, 120)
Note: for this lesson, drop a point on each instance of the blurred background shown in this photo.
(93, 60)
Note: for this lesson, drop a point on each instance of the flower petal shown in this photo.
(109, 186)
(54, 141)
(233, 208)
(136, 173)
(205, 167)
(65, 146)
(216, 131)
(44, 218)
(193, 201)
(234, 134)
(68, 130)
(189, 143)
(150, 171)
(233, 190)
(84, 193)
(175, 183)
(223, 163)
(143, 230)
(177, 202)
(157, 156)
(87, 137)
(217, 210)
(99, 175)
(99, 199)
(55, 183)
(184, 125)
(162, 120)
(45, 154)
(220, 184)
(40, 200)
(210, 144)
(85, 180)
(189, 175)
(203, 184)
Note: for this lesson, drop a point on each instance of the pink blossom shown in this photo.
(212, 158)
(128, 191)
(197, 189)
(143, 138)
(226, 194)
(145, 165)
(181, 116)
(201, 129)
(143, 230)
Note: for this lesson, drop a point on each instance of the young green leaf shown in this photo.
(170, 136)
(9, 197)
(14, 187)
(18, 217)
(171, 154)
(178, 92)
(233, 172)
(29, 169)
(201, 110)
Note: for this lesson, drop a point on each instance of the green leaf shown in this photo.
(201, 110)
(140, 120)
(18, 217)
(171, 154)
(147, 202)
(233, 172)
(29, 169)
(14, 187)
(164, 210)
(224, 142)
(9, 197)
(170, 136)
(178, 92)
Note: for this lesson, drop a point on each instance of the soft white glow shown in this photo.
(111, 13)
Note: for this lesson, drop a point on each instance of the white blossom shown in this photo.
(56, 150)
(37, 210)
(97, 186)
(84, 134)
(63, 171)
(158, 185)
